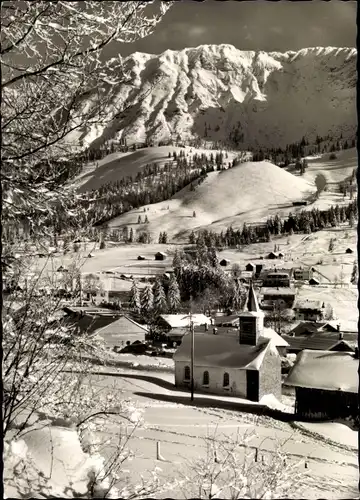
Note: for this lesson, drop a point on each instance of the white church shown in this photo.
(247, 365)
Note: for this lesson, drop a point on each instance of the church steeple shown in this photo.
(252, 302)
(251, 321)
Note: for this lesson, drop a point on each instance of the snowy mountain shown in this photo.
(221, 93)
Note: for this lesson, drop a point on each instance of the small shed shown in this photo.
(314, 281)
(160, 256)
(272, 255)
(90, 255)
(280, 255)
(250, 267)
(349, 250)
(225, 262)
(141, 257)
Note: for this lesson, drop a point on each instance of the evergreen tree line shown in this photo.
(303, 222)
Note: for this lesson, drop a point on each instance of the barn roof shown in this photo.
(122, 324)
(325, 370)
(318, 343)
(220, 351)
(283, 290)
(183, 320)
(161, 253)
(310, 327)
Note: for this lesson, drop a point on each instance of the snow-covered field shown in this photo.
(181, 428)
(226, 198)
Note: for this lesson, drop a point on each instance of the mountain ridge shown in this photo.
(245, 99)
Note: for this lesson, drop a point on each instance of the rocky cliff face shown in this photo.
(246, 99)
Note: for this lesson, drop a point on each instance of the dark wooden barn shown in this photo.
(326, 384)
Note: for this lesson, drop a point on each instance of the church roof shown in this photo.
(222, 351)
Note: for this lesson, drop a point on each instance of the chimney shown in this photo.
(206, 327)
(338, 328)
(341, 336)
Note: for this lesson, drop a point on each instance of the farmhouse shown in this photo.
(302, 274)
(272, 255)
(245, 276)
(312, 327)
(309, 310)
(123, 329)
(160, 256)
(280, 295)
(277, 279)
(225, 262)
(247, 365)
(349, 250)
(326, 384)
(250, 267)
(318, 343)
(171, 321)
(141, 257)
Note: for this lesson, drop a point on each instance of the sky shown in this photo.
(252, 25)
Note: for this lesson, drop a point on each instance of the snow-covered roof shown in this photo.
(281, 290)
(183, 320)
(221, 351)
(314, 305)
(325, 370)
(275, 338)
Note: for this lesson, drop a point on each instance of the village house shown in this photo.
(279, 295)
(326, 384)
(121, 331)
(115, 328)
(302, 274)
(322, 342)
(275, 279)
(245, 276)
(312, 327)
(246, 365)
(309, 310)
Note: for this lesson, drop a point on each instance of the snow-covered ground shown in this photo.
(181, 427)
(333, 431)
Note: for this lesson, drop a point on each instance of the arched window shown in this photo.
(226, 381)
(187, 373)
(206, 378)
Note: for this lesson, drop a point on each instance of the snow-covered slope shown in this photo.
(249, 192)
(258, 98)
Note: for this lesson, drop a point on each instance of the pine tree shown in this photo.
(164, 237)
(131, 236)
(331, 245)
(146, 301)
(354, 274)
(160, 304)
(146, 219)
(139, 219)
(173, 297)
(134, 298)
(192, 238)
(160, 238)
(194, 213)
